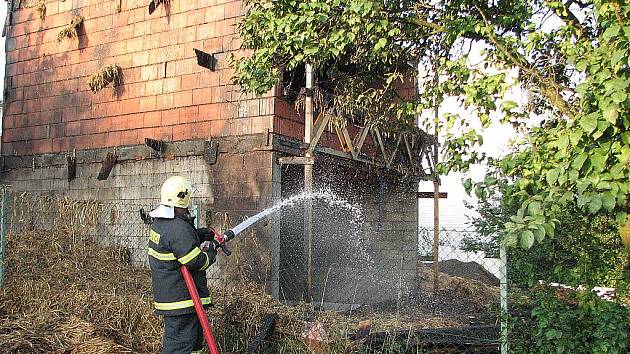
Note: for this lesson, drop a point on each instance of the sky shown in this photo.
(453, 213)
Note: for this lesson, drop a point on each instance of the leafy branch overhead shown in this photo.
(569, 59)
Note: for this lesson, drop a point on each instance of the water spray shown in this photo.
(221, 239)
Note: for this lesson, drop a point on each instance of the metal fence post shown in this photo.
(504, 298)
(3, 230)
(197, 214)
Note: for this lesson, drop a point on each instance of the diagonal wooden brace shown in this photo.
(361, 135)
(393, 155)
(318, 129)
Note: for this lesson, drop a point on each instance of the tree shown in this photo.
(571, 57)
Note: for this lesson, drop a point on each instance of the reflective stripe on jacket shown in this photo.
(173, 243)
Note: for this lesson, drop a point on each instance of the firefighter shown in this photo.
(173, 242)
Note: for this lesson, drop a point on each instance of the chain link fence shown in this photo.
(461, 314)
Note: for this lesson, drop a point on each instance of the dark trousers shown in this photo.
(182, 334)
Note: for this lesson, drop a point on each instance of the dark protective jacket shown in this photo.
(173, 243)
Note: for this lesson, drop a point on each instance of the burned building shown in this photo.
(105, 99)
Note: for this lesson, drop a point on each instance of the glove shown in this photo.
(211, 245)
(219, 242)
(205, 234)
(210, 238)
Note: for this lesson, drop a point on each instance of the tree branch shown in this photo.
(548, 87)
(569, 18)
(421, 22)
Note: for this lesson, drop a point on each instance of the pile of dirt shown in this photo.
(463, 300)
(63, 293)
(469, 270)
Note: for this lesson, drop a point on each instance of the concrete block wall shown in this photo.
(164, 93)
(373, 263)
(239, 184)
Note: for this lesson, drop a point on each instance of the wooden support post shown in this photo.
(436, 235)
(308, 183)
(436, 196)
(436, 224)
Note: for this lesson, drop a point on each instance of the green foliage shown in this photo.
(579, 156)
(352, 45)
(574, 68)
(582, 250)
(578, 322)
(587, 251)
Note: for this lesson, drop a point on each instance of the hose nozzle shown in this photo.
(220, 241)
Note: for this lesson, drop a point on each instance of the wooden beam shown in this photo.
(158, 145)
(412, 160)
(346, 137)
(380, 164)
(379, 140)
(296, 160)
(210, 152)
(107, 166)
(72, 166)
(427, 195)
(267, 325)
(391, 158)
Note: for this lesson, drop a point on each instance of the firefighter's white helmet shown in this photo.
(176, 192)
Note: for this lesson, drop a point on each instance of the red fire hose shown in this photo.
(201, 314)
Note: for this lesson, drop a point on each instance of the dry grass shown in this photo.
(41, 10)
(71, 30)
(65, 294)
(106, 75)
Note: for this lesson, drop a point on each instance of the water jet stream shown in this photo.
(324, 195)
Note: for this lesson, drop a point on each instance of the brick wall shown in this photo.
(164, 94)
(289, 122)
(50, 111)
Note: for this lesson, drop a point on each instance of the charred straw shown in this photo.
(71, 30)
(106, 75)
